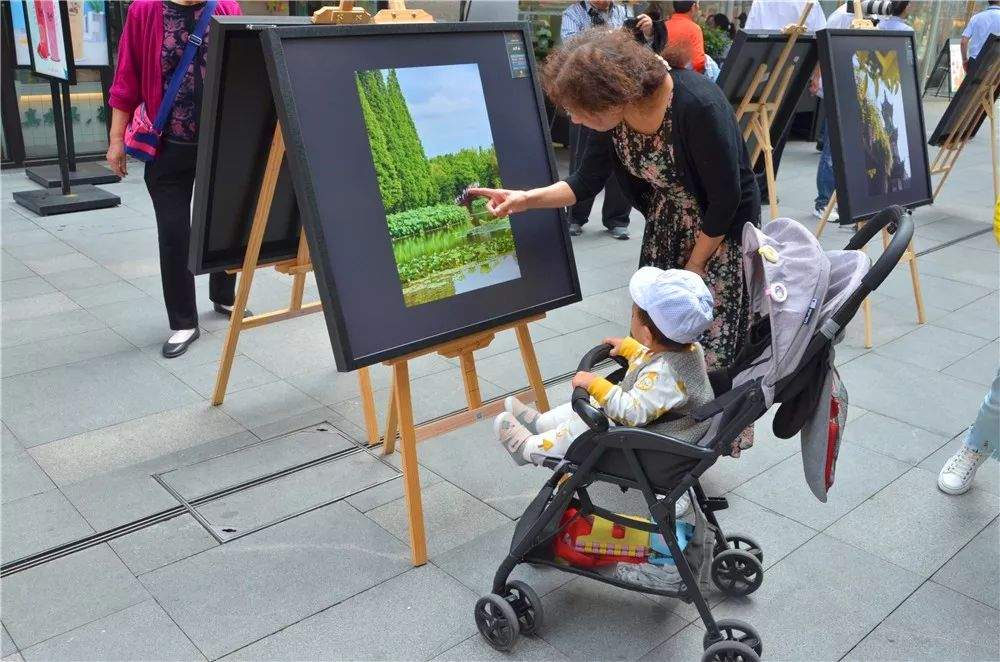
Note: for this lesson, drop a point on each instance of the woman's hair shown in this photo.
(597, 70)
(722, 22)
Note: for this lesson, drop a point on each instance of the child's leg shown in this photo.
(554, 442)
(556, 416)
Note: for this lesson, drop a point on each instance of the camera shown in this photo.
(879, 7)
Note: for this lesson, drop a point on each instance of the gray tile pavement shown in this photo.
(888, 568)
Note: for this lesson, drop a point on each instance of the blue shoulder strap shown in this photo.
(194, 42)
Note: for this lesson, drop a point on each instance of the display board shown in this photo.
(988, 60)
(749, 50)
(22, 51)
(875, 119)
(88, 29)
(381, 142)
(50, 46)
(237, 122)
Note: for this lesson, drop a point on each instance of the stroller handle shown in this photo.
(897, 220)
(591, 415)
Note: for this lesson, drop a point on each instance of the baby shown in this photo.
(666, 371)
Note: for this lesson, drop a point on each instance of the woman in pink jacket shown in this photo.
(150, 48)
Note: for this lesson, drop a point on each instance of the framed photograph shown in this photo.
(19, 30)
(50, 46)
(88, 28)
(236, 126)
(748, 51)
(968, 92)
(875, 120)
(382, 141)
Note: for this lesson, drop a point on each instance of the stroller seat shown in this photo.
(788, 360)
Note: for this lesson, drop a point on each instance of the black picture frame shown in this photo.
(988, 59)
(401, 43)
(67, 44)
(748, 51)
(855, 200)
(232, 153)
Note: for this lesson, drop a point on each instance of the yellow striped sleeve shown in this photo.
(631, 349)
(599, 389)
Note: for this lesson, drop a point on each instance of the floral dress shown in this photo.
(672, 224)
(179, 22)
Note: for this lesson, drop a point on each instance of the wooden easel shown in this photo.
(297, 268)
(971, 115)
(762, 107)
(909, 256)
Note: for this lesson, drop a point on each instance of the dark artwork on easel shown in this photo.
(748, 51)
(988, 60)
(875, 120)
(238, 121)
(408, 261)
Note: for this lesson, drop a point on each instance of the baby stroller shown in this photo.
(805, 297)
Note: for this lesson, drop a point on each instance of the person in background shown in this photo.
(895, 17)
(981, 441)
(826, 182)
(722, 22)
(979, 29)
(153, 40)
(685, 35)
(742, 20)
(578, 17)
(776, 15)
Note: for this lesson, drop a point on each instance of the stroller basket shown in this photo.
(664, 468)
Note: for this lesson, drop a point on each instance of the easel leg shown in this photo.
(918, 296)
(368, 405)
(772, 184)
(411, 475)
(391, 422)
(471, 380)
(531, 367)
(826, 215)
(267, 186)
(993, 150)
(866, 308)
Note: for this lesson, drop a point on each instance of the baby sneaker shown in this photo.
(512, 435)
(525, 415)
(957, 474)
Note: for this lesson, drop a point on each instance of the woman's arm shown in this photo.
(701, 254)
(116, 142)
(503, 202)
(713, 143)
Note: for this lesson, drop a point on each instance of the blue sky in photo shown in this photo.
(448, 107)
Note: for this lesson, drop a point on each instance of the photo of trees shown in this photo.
(431, 139)
(883, 121)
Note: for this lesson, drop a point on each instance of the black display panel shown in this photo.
(452, 92)
(969, 92)
(875, 120)
(748, 51)
(237, 124)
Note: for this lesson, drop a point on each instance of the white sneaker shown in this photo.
(957, 474)
(682, 506)
(832, 218)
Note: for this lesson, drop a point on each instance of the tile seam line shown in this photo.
(925, 581)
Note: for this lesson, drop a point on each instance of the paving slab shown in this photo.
(12, 269)
(979, 318)
(592, 621)
(29, 357)
(931, 347)
(20, 475)
(108, 500)
(295, 493)
(904, 515)
(451, 517)
(973, 571)
(36, 306)
(162, 544)
(860, 473)
(56, 325)
(292, 347)
(36, 523)
(820, 600)
(382, 494)
(237, 593)
(74, 279)
(935, 623)
(100, 295)
(894, 438)
(430, 613)
(688, 644)
(64, 594)
(244, 374)
(474, 460)
(475, 562)
(978, 367)
(260, 405)
(26, 287)
(134, 441)
(932, 401)
(139, 632)
(475, 649)
(8, 647)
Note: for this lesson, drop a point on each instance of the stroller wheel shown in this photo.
(527, 605)
(746, 543)
(734, 630)
(729, 651)
(737, 572)
(497, 621)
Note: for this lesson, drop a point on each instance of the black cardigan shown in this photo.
(709, 151)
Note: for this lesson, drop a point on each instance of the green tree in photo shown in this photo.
(385, 168)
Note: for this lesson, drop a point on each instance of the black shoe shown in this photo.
(575, 229)
(222, 310)
(172, 350)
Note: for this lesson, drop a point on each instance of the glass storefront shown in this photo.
(87, 110)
